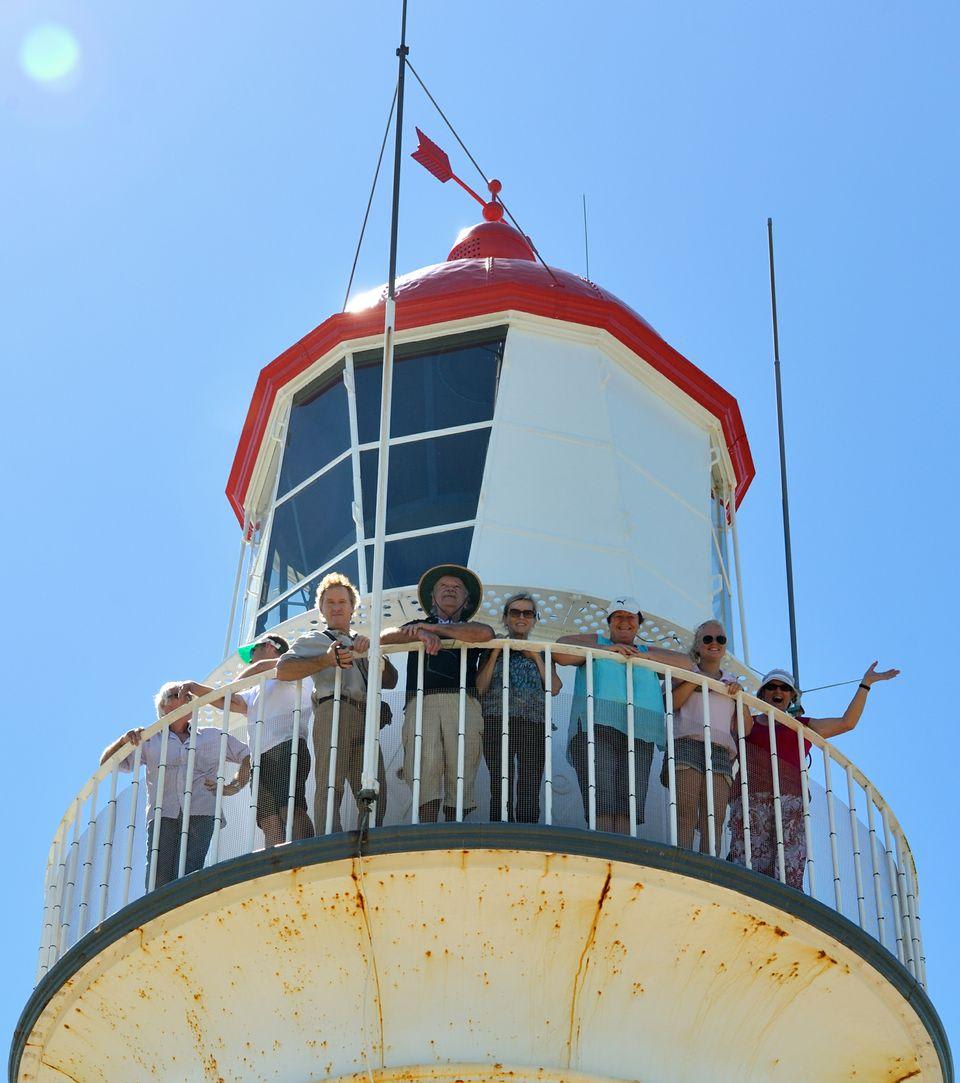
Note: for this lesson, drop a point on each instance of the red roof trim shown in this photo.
(532, 298)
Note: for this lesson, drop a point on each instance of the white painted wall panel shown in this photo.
(594, 482)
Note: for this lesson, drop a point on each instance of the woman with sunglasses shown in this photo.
(779, 689)
(527, 680)
(707, 652)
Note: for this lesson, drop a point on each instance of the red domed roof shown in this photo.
(465, 287)
(491, 240)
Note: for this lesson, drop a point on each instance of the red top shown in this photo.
(487, 281)
(788, 751)
(759, 775)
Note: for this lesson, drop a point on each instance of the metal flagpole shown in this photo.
(788, 552)
(372, 726)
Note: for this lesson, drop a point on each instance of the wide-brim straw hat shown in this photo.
(469, 579)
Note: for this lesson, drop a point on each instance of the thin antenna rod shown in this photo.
(372, 722)
(787, 549)
(586, 242)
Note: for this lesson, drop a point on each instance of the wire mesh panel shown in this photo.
(656, 753)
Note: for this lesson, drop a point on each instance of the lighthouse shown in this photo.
(547, 437)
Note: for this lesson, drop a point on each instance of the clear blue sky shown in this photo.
(180, 202)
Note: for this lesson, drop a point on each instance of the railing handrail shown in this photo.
(894, 860)
(752, 703)
(108, 766)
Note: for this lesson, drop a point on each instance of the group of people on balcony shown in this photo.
(445, 735)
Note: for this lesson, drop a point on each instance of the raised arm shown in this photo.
(581, 640)
(538, 660)
(470, 631)
(832, 727)
(485, 672)
(674, 659)
(290, 667)
(131, 737)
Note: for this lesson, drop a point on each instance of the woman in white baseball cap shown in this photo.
(779, 689)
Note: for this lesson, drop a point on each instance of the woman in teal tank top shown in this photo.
(611, 794)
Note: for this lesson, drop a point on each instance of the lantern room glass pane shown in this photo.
(309, 529)
(301, 600)
(406, 560)
(437, 384)
(432, 482)
(318, 430)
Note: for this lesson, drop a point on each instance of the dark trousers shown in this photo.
(526, 753)
(168, 857)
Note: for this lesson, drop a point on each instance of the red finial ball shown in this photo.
(494, 187)
(493, 212)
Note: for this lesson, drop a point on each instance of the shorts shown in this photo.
(611, 771)
(274, 786)
(689, 752)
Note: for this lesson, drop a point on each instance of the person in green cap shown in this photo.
(450, 595)
(278, 712)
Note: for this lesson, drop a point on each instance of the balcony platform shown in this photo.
(491, 951)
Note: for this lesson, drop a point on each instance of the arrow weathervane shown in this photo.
(434, 160)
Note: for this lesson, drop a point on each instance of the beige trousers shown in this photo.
(349, 766)
(438, 758)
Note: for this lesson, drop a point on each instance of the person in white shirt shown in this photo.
(276, 741)
(202, 785)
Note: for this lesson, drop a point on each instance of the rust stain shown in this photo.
(59, 1071)
(583, 964)
(909, 1075)
(362, 907)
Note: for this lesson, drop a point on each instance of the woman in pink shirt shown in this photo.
(707, 651)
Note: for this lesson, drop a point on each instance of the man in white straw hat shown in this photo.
(450, 595)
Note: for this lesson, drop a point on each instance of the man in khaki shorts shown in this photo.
(320, 655)
(450, 595)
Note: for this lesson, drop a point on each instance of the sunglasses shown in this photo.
(776, 686)
(514, 612)
(722, 640)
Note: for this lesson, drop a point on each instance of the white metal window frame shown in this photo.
(353, 454)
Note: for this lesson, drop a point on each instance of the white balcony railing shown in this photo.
(814, 823)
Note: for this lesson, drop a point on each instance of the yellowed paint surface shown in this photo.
(469, 965)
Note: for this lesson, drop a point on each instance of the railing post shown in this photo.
(905, 916)
(87, 875)
(187, 800)
(255, 774)
(334, 751)
(132, 822)
(744, 783)
(417, 735)
(875, 865)
(912, 915)
(56, 895)
(832, 821)
(158, 809)
(294, 760)
(894, 886)
(671, 763)
(591, 750)
(708, 771)
(855, 838)
(70, 882)
(631, 752)
(107, 848)
(805, 802)
(221, 779)
(506, 767)
(461, 733)
(777, 802)
(547, 737)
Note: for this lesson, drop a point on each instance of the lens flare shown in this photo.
(49, 53)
